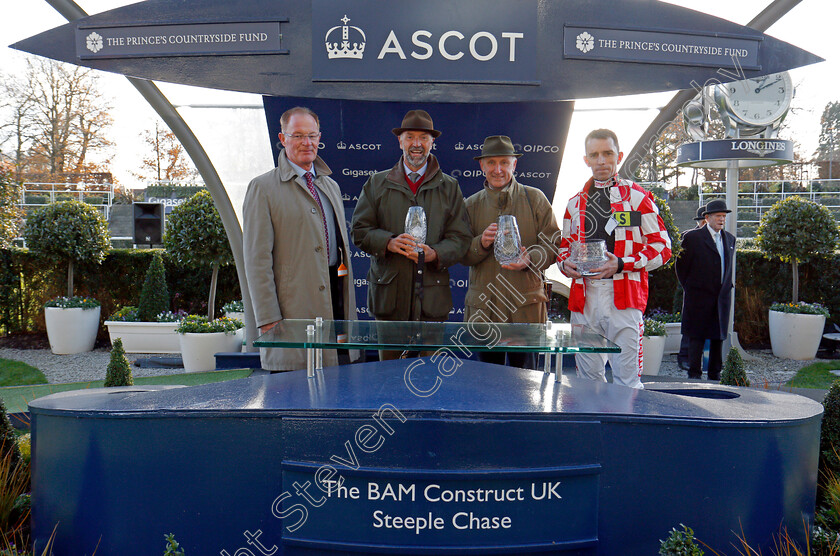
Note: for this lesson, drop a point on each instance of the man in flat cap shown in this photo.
(682, 356)
(405, 283)
(705, 271)
(512, 292)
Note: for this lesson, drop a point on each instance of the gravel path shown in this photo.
(765, 368)
(83, 367)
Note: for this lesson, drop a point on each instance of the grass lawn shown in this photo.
(17, 397)
(15, 373)
(816, 375)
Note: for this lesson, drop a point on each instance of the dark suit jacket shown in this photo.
(706, 301)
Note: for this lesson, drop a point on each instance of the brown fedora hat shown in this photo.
(497, 145)
(417, 120)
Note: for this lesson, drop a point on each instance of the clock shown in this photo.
(754, 104)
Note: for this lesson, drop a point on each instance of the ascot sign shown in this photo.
(463, 51)
(394, 42)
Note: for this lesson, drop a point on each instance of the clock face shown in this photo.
(759, 101)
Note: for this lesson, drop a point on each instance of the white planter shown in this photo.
(71, 330)
(673, 337)
(145, 337)
(652, 349)
(198, 349)
(795, 336)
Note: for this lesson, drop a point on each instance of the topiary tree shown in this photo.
(195, 236)
(796, 230)
(154, 297)
(68, 232)
(733, 373)
(119, 370)
(671, 228)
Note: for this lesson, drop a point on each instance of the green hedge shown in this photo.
(27, 281)
(172, 190)
(760, 283)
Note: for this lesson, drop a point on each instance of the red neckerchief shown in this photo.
(414, 185)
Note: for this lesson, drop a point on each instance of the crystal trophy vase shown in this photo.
(588, 255)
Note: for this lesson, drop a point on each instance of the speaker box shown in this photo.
(148, 223)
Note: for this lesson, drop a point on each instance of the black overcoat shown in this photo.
(705, 312)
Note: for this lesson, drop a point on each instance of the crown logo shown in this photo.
(459, 146)
(343, 49)
(341, 145)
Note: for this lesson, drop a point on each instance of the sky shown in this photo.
(811, 25)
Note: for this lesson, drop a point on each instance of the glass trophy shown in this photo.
(588, 255)
(415, 225)
(507, 247)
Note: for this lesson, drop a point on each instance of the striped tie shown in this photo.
(310, 183)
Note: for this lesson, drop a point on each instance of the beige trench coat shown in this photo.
(286, 255)
(540, 236)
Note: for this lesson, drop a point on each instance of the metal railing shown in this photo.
(755, 197)
(99, 195)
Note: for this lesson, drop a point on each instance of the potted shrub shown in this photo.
(195, 236)
(796, 230)
(156, 336)
(71, 233)
(796, 329)
(149, 327)
(653, 346)
(673, 329)
(234, 310)
(201, 339)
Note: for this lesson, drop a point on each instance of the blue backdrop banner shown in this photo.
(357, 141)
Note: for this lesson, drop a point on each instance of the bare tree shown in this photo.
(165, 159)
(17, 104)
(55, 118)
(827, 151)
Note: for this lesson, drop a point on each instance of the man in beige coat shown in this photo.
(511, 293)
(295, 242)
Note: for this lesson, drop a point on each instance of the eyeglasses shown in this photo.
(300, 137)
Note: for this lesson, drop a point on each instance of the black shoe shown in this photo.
(714, 378)
(695, 376)
(683, 365)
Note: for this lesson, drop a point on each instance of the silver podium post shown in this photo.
(310, 351)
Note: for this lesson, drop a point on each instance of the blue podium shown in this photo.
(493, 460)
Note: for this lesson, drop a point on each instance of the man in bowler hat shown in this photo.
(682, 356)
(519, 295)
(409, 280)
(705, 271)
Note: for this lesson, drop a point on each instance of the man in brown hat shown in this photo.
(705, 271)
(518, 295)
(410, 280)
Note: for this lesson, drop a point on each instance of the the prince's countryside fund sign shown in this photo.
(201, 39)
(658, 47)
(372, 40)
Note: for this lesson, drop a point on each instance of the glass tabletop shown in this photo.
(425, 336)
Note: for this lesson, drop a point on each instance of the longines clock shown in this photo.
(752, 105)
